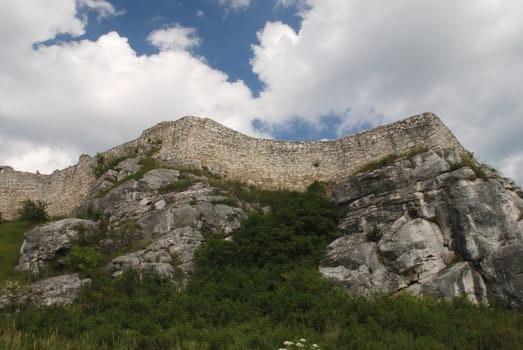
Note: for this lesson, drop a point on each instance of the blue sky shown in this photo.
(226, 33)
(81, 76)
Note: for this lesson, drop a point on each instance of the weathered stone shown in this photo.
(168, 255)
(45, 243)
(410, 222)
(126, 167)
(415, 250)
(353, 262)
(503, 271)
(203, 143)
(458, 280)
(157, 178)
(61, 290)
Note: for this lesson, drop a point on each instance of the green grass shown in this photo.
(177, 186)
(377, 164)
(390, 159)
(469, 161)
(11, 238)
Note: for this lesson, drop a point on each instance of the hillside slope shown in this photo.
(168, 257)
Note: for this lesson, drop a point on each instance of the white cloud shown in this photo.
(373, 63)
(33, 158)
(25, 22)
(235, 4)
(174, 38)
(104, 8)
(363, 61)
(512, 167)
(85, 96)
(299, 4)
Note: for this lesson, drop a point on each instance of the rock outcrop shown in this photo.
(172, 222)
(46, 243)
(206, 144)
(60, 290)
(437, 224)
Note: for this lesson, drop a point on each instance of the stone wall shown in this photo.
(63, 190)
(276, 164)
(204, 143)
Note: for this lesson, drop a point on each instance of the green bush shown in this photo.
(33, 211)
(177, 186)
(469, 161)
(377, 164)
(375, 234)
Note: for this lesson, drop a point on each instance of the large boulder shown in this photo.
(45, 243)
(169, 257)
(437, 224)
(172, 224)
(60, 290)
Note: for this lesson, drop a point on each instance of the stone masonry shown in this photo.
(204, 143)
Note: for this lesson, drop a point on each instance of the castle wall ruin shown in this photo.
(204, 143)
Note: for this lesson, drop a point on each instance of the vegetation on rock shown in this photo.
(33, 211)
(252, 292)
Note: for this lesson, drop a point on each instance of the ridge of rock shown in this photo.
(206, 144)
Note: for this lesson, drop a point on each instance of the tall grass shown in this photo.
(11, 238)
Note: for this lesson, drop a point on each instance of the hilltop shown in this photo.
(177, 243)
(206, 144)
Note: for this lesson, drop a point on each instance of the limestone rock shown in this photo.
(132, 198)
(460, 279)
(432, 227)
(169, 257)
(172, 224)
(126, 167)
(503, 271)
(45, 243)
(61, 290)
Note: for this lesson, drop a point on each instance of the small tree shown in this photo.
(33, 211)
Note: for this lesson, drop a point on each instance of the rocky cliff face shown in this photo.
(437, 224)
(149, 222)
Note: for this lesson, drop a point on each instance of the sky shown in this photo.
(82, 76)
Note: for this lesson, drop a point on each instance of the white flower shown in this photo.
(300, 345)
(315, 346)
(303, 340)
(288, 343)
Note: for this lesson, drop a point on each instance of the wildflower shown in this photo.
(300, 345)
(315, 346)
(303, 340)
(288, 343)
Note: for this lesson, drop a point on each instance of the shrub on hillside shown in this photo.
(33, 211)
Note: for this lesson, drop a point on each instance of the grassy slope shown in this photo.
(11, 238)
(252, 293)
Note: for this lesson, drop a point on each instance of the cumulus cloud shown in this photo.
(234, 4)
(299, 4)
(512, 166)
(102, 7)
(30, 157)
(360, 61)
(174, 38)
(370, 64)
(85, 96)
